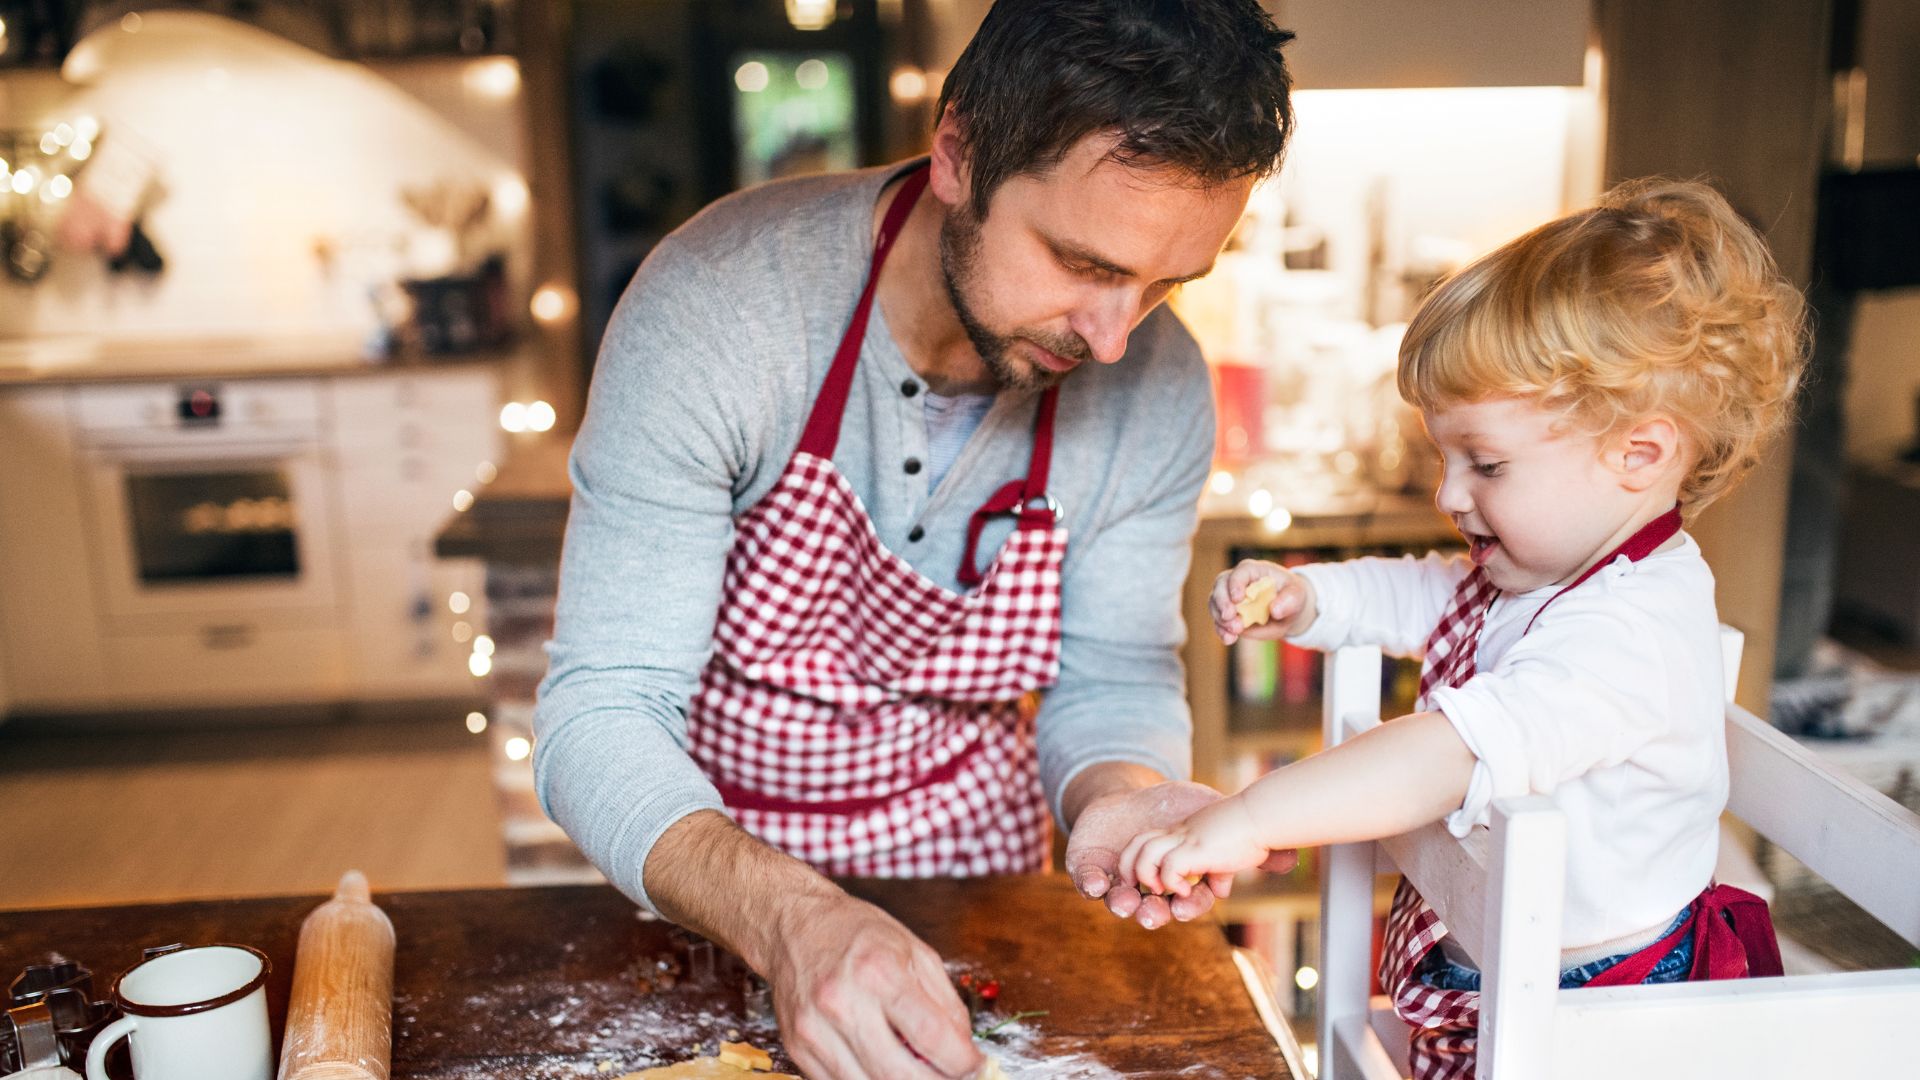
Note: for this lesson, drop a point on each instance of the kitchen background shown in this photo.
(298, 302)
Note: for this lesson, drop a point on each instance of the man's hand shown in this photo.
(1105, 825)
(861, 998)
(858, 996)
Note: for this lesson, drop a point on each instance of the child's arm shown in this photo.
(1394, 778)
(1392, 603)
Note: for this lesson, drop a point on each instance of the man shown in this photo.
(870, 460)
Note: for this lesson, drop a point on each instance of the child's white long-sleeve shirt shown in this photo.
(1613, 703)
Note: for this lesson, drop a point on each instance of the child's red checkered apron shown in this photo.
(857, 715)
(1733, 936)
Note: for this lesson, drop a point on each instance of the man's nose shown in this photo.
(1105, 323)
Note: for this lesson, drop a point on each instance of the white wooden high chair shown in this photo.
(1500, 892)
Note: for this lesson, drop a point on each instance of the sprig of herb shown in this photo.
(1014, 1019)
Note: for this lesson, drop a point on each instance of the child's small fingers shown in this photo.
(1286, 605)
(1225, 592)
(1130, 855)
(1221, 884)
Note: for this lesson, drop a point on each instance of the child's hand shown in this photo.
(1261, 600)
(1214, 844)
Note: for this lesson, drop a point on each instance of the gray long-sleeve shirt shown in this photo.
(705, 378)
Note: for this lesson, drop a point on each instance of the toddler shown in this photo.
(1588, 386)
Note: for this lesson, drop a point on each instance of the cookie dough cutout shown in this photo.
(705, 1068)
(1257, 607)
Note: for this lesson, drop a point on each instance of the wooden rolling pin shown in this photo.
(340, 1018)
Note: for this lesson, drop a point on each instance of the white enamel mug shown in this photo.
(192, 1014)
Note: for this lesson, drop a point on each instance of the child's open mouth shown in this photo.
(1483, 547)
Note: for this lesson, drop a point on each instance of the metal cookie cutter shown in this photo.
(51, 1017)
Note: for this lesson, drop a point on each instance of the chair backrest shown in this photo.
(1500, 893)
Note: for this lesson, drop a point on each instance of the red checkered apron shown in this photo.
(1732, 939)
(857, 715)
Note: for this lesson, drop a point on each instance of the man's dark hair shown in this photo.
(1199, 85)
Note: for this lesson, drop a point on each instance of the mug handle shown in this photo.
(103, 1042)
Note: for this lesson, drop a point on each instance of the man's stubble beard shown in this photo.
(959, 269)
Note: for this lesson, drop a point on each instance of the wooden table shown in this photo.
(530, 984)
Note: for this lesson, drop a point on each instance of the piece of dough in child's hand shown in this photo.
(1257, 606)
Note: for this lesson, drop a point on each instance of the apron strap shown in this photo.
(1638, 546)
(1027, 497)
(1732, 939)
(822, 433)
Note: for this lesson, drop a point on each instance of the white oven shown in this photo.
(207, 500)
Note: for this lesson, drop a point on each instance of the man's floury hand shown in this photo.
(1107, 824)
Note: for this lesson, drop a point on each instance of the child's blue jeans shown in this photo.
(1442, 973)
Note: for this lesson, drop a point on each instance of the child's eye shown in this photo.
(1489, 468)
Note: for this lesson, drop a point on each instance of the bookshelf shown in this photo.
(1256, 706)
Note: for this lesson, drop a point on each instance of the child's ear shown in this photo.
(1646, 453)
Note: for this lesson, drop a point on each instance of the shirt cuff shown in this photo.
(1329, 629)
(1125, 754)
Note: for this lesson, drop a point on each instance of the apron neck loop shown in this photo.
(1026, 498)
(1641, 544)
(822, 433)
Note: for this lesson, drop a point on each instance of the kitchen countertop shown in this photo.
(521, 516)
(54, 360)
(538, 983)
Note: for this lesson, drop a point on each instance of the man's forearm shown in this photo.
(711, 876)
(1397, 777)
(1102, 779)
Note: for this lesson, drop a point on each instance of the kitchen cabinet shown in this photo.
(404, 446)
(240, 542)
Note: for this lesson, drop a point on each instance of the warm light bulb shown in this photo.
(479, 665)
(908, 85)
(476, 722)
(540, 416)
(462, 501)
(1260, 503)
(513, 417)
(811, 74)
(483, 645)
(510, 196)
(551, 303)
(459, 602)
(752, 77)
(517, 749)
(1221, 482)
(497, 78)
(811, 14)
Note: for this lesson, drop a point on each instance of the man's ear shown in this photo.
(1646, 453)
(950, 178)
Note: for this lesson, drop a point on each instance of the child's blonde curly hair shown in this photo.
(1660, 300)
